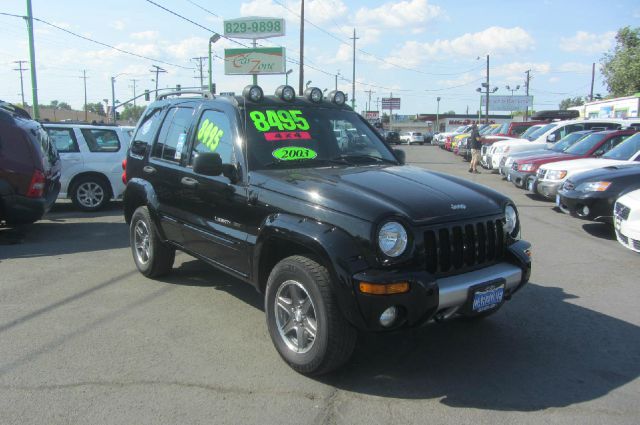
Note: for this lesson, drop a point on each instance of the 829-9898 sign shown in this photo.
(254, 27)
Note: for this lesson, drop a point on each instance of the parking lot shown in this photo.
(85, 338)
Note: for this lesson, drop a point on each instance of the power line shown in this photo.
(99, 42)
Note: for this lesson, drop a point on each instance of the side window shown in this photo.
(64, 139)
(148, 128)
(101, 140)
(214, 135)
(173, 134)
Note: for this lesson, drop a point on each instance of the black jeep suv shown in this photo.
(338, 236)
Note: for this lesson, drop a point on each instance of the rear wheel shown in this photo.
(91, 193)
(305, 324)
(153, 257)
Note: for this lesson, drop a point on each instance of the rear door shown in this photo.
(65, 141)
(103, 153)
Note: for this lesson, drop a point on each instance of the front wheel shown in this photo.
(153, 257)
(305, 324)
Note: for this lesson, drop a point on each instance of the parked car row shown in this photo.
(588, 168)
(407, 138)
(42, 162)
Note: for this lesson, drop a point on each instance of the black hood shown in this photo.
(373, 192)
(615, 172)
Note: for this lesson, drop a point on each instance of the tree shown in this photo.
(64, 105)
(621, 66)
(131, 113)
(569, 102)
(96, 108)
(451, 112)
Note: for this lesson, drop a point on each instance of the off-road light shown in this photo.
(314, 94)
(286, 93)
(337, 97)
(389, 316)
(253, 93)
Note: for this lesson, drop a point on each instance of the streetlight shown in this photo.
(516, 88)
(215, 37)
(438, 115)
(113, 95)
(337, 75)
(307, 85)
(286, 77)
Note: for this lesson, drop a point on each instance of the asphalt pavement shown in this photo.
(86, 339)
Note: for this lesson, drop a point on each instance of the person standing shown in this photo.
(476, 146)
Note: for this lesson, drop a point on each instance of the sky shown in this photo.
(418, 50)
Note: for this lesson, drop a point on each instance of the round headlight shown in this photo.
(314, 94)
(510, 220)
(253, 93)
(392, 239)
(337, 97)
(286, 93)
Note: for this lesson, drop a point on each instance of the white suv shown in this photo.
(412, 137)
(626, 214)
(92, 158)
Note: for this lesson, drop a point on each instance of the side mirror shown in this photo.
(208, 164)
(551, 138)
(401, 156)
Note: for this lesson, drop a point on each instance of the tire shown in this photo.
(320, 339)
(90, 193)
(153, 257)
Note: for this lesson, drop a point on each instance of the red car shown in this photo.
(515, 129)
(593, 145)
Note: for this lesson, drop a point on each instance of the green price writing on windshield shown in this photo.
(281, 119)
(209, 134)
(293, 153)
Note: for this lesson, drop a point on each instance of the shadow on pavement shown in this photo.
(600, 230)
(569, 355)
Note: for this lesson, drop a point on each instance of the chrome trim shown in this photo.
(454, 290)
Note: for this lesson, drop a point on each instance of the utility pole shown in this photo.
(200, 59)
(84, 77)
(486, 112)
(438, 114)
(337, 75)
(113, 98)
(20, 68)
(593, 76)
(32, 58)
(369, 102)
(158, 71)
(353, 78)
(133, 80)
(526, 86)
(301, 59)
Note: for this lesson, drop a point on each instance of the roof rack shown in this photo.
(10, 107)
(204, 93)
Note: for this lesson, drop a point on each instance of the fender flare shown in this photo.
(140, 192)
(334, 247)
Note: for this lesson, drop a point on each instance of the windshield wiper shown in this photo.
(346, 157)
(311, 162)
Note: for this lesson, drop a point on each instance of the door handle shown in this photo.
(149, 169)
(189, 182)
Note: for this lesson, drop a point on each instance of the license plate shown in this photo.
(558, 200)
(487, 297)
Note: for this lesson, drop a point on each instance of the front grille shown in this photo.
(622, 211)
(623, 238)
(568, 185)
(636, 244)
(541, 173)
(514, 166)
(463, 246)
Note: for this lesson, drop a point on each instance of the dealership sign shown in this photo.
(390, 103)
(372, 115)
(508, 103)
(270, 60)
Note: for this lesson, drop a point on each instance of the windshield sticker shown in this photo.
(293, 153)
(277, 136)
(282, 120)
(209, 135)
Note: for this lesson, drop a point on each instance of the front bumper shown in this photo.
(486, 161)
(587, 205)
(547, 189)
(430, 297)
(628, 233)
(519, 178)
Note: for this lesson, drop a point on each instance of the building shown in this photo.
(448, 122)
(621, 107)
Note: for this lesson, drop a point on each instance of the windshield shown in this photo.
(460, 129)
(503, 128)
(585, 145)
(285, 136)
(626, 149)
(486, 130)
(530, 130)
(541, 131)
(568, 140)
(495, 130)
